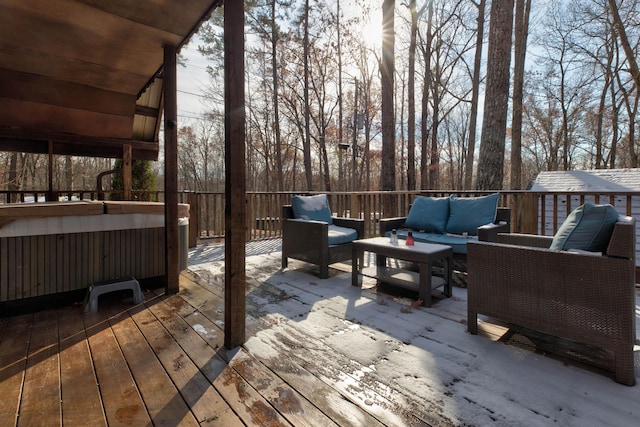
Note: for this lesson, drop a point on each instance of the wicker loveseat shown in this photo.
(452, 221)
(586, 300)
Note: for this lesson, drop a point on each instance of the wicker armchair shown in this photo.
(308, 241)
(587, 301)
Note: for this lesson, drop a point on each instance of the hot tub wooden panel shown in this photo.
(45, 255)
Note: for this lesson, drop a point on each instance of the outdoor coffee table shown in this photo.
(423, 254)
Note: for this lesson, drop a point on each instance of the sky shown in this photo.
(192, 79)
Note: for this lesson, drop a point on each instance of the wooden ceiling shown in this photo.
(84, 77)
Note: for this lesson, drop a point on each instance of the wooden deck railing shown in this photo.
(532, 212)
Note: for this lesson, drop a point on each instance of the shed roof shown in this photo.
(85, 75)
(616, 180)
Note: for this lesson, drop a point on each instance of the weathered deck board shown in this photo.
(164, 405)
(40, 401)
(14, 345)
(199, 352)
(327, 399)
(284, 398)
(81, 402)
(122, 401)
(193, 386)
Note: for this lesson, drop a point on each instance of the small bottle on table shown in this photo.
(410, 238)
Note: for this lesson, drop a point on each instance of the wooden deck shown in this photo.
(163, 363)
(158, 363)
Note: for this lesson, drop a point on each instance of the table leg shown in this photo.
(424, 287)
(448, 289)
(381, 265)
(356, 266)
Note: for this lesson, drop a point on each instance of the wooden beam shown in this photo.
(235, 180)
(141, 110)
(62, 119)
(127, 178)
(30, 141)
(172, 256)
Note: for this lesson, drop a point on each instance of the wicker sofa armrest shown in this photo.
(355, 223)
(489, 232)
(301, 236)
(623, 239)
(388, 224)
(530, 240)
(295, 225)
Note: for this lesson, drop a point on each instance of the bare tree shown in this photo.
(523, 10)
(475, 94)
(306, 146)
(494, 123)
(411, 119)
(426, 91)
(388, 180)
(624, 41)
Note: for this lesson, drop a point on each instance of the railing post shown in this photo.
(354, 205)
(194, 219)
(526, 208)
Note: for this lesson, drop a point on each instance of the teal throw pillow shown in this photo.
(587, 228)
(314, 208)
(466, 214)
(429, 214)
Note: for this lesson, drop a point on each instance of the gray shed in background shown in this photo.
(611, 182)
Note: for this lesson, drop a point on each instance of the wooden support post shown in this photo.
(235, 176)
(127, 179)
(172, 258)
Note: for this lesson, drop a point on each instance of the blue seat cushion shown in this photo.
(457, 243)
(587, 228)
(314, 208)
(429, 214)
(466, 214)
(340, 235)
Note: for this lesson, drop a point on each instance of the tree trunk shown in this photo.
(325, 160)
(388, 180)
(614, 128)
(307, 128)
(276, 112)
(340, 118)
(411, 120)
(523, 9)
(494, 123)
(401, 185)
(68, 172)
(426, 90)
(475, 91)
(632, 111)
(434, 153)
(13, 177)
(600, 117)
(624, 41)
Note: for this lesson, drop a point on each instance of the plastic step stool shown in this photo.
(100, 288)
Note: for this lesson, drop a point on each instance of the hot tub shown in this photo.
(56, 247)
